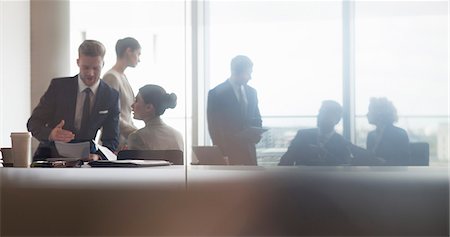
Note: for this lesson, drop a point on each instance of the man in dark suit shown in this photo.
(321, 145)
(73, 109)
(234, 120)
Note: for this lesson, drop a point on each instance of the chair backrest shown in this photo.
(420, 154)
(173, 156)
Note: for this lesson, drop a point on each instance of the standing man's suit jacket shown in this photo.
(226, 122)
(59, 103)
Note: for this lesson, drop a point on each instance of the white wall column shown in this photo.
(50, 45)
(14, 68)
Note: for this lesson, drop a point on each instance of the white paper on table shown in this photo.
(74, 150)
(107, 152)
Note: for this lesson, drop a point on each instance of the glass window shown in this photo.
(401, 52)
(296, 48)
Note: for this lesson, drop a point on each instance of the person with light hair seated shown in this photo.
(151, 102)
(387, 142)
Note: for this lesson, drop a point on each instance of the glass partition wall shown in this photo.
(160, 28)
(302, 53)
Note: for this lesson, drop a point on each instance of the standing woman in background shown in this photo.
(128, 51)
(151, 102)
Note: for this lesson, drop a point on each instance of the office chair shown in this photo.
(420, 154)
(173, 156)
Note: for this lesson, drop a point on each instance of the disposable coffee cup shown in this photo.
(21, 149)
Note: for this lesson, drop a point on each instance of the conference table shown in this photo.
(225, 201)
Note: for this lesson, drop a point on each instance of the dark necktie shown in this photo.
(242, 101)
(86, 112)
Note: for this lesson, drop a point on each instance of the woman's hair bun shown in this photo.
(171, 100)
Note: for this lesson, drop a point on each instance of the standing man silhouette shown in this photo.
(234, 120)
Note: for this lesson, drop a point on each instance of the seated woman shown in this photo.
(388, 142)
(151, 102)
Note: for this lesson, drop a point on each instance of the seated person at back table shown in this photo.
(151, 102)
(321, 145)
(388, 142)
(73, 109)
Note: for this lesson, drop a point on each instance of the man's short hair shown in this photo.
(123, 44)
(92, 48)
(332, 107)
(240, 63)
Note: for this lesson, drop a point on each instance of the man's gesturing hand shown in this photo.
(59, 134)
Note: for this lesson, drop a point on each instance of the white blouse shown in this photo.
(119, 82)
(156, 135)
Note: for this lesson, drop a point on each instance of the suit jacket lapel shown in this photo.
(71, 97)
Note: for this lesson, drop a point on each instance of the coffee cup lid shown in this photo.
(20, 133)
